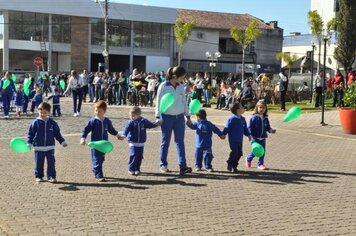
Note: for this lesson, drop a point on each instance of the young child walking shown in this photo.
(135, 131)
(56, 99)
(41, 134)
(258, 127)
(19, 97)
(99, 126)
(236, 128)
(203, 140)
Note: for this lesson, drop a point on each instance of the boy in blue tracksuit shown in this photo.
(41, 134)
(99, 126)
(37, 99)
(236, 128)
(135, 131)
(56, 99)
(18, 100)
(258, 127)
(7, 89)
(203, 140)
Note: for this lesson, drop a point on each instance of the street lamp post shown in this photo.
(213, 59)
(105, 53)
(312, 71)
(326, 37)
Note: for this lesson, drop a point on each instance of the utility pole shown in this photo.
(106, 46)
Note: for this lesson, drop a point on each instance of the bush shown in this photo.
(350, 96)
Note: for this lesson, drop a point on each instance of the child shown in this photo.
(340, 94)
(41, 134)
(236, 127)
(135, 131)
(99, 126)
(259, 126)
(37, 99)
(19, 96)
(203, 142)
(56, 98)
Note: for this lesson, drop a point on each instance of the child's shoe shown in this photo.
(38, 180)
(248, 163)
(131, 172)
(234, 170)
(52, 180)
(185, 170)
(262, 167)
(210, 169)
(197, 169)
(164, 169)
(101, 179)
(229, 168)
(137, 172)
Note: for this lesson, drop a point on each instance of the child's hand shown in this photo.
(82, 141)
(249, 138)
(120, 137)
(273, 131)
(158, 122)
(64, 144)
(189, 122)
(223, 136)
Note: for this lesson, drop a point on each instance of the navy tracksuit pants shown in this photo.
(235, 154)
(262, 158)
(56, 110)
(203, 154)
(39, 164)
(6, 103)
(136, 156)
(97, 160)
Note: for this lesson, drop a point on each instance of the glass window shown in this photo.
(61, 29)
(119, 33)
(28, 26)
(151, 35)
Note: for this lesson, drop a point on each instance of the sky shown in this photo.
(290, 14)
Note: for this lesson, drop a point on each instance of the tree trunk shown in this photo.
(318, 69)
(243, 67)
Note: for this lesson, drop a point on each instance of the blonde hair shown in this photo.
(260, 103)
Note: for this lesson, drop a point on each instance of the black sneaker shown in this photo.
(234, 170)
(229, 168)
(185, 170)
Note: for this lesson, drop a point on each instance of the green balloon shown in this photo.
(166, 102)
(194, 106)
(62, 84)
(26, 91)
(19, 145)
(27, 83)
(257, 149)
(6, 83)
(292, 114)
(13, 77)
(101, 146)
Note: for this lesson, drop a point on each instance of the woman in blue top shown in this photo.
(173, 118)
(7, 88)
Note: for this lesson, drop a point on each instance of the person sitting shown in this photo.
(247, 94)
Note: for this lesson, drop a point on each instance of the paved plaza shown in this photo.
(310, 188)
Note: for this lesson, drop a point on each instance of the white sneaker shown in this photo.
(75, 114)
(210, 169)
(101, 180)
(197, 169)
(38, 180)
(78, 113)
(52, 181)
(164, 169)
(137, 172)
(131, 172)
(7, 117)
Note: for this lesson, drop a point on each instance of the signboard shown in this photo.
(38, 61)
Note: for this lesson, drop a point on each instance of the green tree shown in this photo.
(316, 24)
(345, 52)
(288, 59)
(182, 32)
(245, 37)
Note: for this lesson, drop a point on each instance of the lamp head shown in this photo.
(208, 54)
(217, 54)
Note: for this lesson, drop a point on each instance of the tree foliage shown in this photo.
(345, 52)
(288, 59)
(245, 37)
(315, 22)
(182, 32)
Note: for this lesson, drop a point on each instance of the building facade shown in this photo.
(70, 35)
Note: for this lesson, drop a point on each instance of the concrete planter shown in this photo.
(348, 120)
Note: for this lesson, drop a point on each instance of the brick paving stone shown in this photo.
(310, 188)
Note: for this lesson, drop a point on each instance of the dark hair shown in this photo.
(176, 71)
(44, 106)
(101, 104)
(201, 114)
(56, 89)
(235, 107)
(136, 110)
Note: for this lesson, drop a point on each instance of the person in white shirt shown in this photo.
(75, 84)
